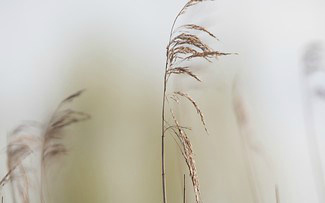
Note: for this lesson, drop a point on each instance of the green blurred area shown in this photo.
(115, 157)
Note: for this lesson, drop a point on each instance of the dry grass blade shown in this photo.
(186, 6)
(189, 40)
(61, 118)
(54, 150)
(22, 143)
(173, 127)
(184, 190)
(72, 97)
(52, 146)
(180, 50)
(197, 108)
(192, 3)
(189, 4)
(188, 155)
(197, 27)
(183, 70)
(192, 45)
(207, 55)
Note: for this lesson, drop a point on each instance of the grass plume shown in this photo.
(45, 140)
(183, 46)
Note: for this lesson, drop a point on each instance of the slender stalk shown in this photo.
(184, 191)
(180, 48)
(163, 154)
(163, 170)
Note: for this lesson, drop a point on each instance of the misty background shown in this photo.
(116, 51)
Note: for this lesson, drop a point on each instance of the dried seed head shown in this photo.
(28, 138)
(196, 27)
(188, 155)
(53, 135)
(183, 70)
(22, 143)
(184, 46)
(196, 106)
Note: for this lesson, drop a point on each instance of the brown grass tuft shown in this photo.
(26, 139)
(184, 46)
(62, 117)
(22, 143)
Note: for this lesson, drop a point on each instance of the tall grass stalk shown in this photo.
(183, 46)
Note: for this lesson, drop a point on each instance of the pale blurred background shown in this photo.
(116, 50)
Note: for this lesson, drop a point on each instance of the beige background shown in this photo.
(116, 50)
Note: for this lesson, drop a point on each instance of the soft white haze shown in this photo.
(116, 50)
